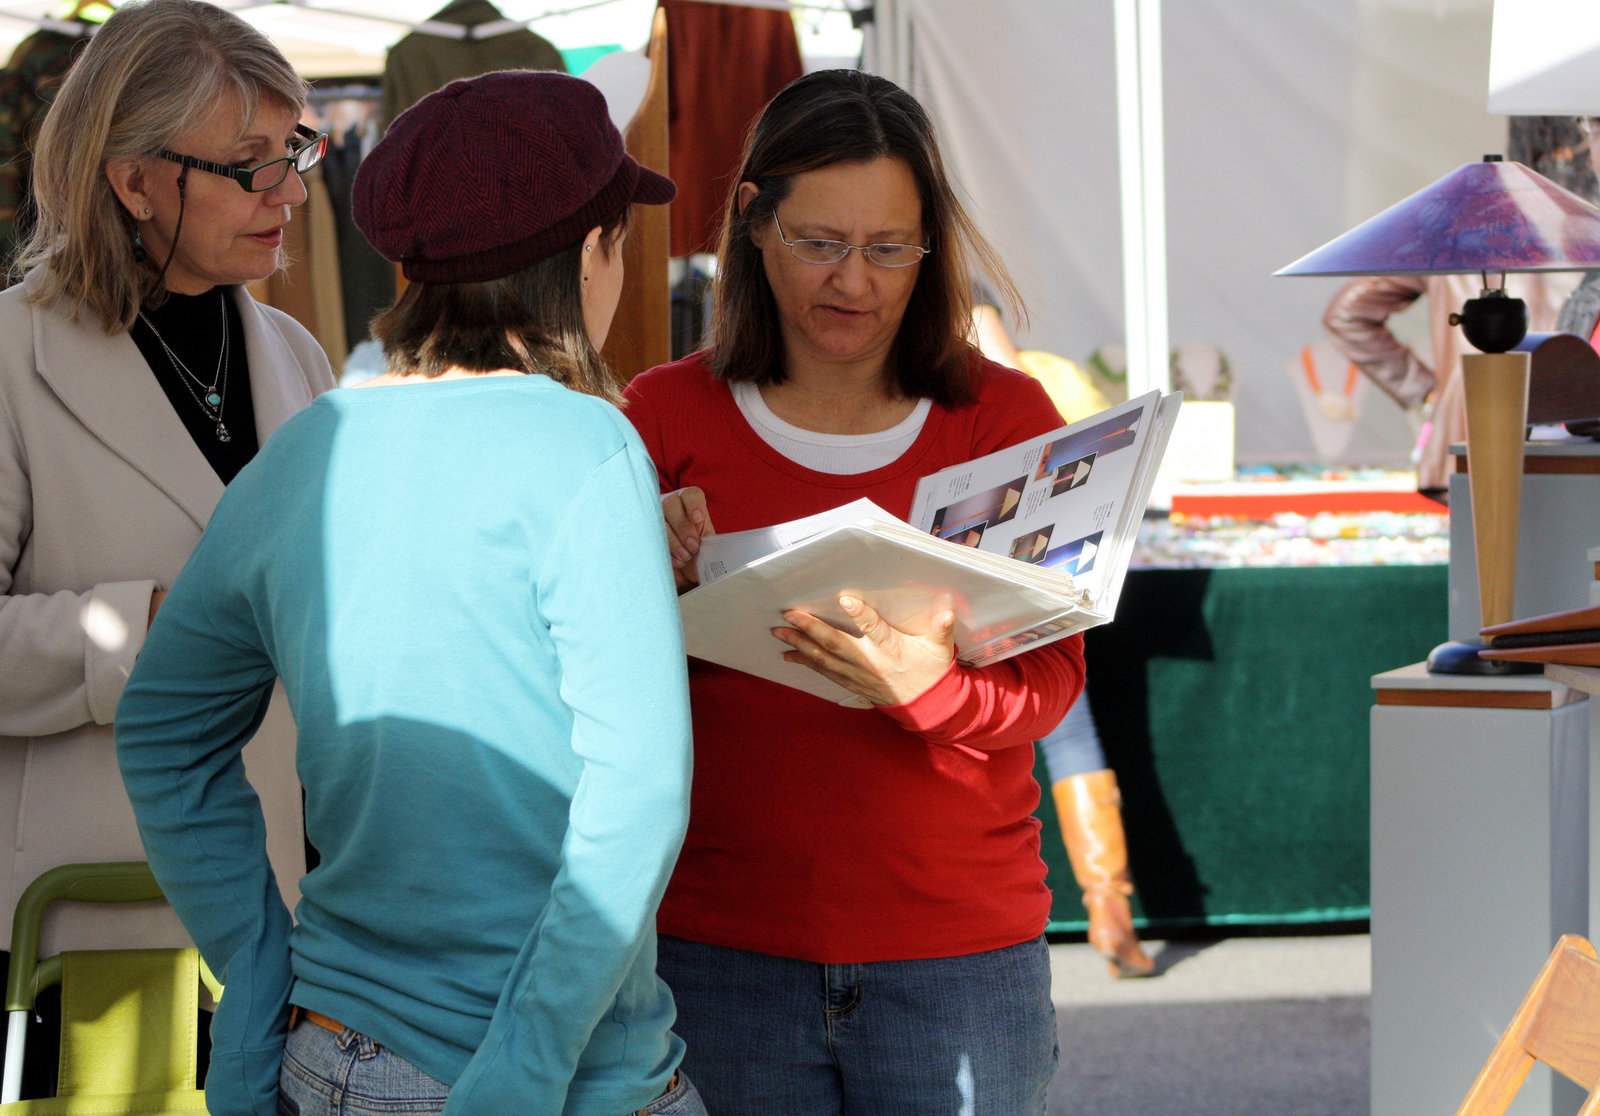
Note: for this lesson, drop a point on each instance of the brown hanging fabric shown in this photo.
(726, 62)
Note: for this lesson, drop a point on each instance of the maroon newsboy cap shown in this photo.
(493, 174)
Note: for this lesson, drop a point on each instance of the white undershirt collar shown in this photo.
(838, 454)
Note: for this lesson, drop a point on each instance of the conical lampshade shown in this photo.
(1488, 216)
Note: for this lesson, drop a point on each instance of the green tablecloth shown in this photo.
(1233, 705)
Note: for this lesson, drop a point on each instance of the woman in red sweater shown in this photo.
(855, 925)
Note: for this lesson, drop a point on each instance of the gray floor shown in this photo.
(1230, 1028)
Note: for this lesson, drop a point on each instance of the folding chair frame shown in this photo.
(117, 882)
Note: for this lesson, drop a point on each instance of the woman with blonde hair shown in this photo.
(137, 377)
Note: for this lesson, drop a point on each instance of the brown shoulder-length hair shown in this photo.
(153, 71)
(842, 116)
(531, 320)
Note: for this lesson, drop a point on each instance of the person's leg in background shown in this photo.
(1089, 805)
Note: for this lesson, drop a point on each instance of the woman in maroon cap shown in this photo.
(856, 922)
(456, 570)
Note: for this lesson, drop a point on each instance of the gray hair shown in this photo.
(155, 70)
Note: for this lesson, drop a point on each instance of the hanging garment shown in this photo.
(420, 63)
(310, 289)
(366, 279)
(27, 85)
(726, 62)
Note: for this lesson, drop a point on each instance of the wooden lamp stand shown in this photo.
(1495, 386)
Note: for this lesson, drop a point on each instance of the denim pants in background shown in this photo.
(954, 1036)
(347, 1074)
(1073, 747)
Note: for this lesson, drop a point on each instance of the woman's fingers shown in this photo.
(688, 521)
(883, 664)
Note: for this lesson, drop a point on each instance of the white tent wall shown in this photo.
(1544, 57)
(1286, 121)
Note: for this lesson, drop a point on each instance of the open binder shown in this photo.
(1026, 546)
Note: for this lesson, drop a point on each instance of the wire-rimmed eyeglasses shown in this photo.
(263, 176)
(832, 251)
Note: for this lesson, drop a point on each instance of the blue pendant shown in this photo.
(214, 399)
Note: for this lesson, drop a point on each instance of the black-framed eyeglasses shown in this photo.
(264, 176)
(832, 251)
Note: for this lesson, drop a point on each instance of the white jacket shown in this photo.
(103, 494)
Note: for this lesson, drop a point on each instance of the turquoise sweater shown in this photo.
(464, 588)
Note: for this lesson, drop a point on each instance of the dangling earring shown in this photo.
(139, 254)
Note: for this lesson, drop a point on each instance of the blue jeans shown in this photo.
(1073, 747)
(953, 1036)
(347, 1074)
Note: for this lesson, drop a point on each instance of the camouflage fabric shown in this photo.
(27, 84)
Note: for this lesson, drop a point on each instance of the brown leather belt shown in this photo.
(297, 1013)
(671, 1085)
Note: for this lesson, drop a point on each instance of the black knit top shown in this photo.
(182, 342)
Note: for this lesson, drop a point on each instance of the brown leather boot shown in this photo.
(1090, 809)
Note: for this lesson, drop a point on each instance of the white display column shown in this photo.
(1587, 679)
(1480, 857)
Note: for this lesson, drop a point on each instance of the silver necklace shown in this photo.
(210, 397)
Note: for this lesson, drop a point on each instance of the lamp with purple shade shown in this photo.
(1485, 217)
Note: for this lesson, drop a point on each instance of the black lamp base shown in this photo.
(1495, 322)
(1460, 657)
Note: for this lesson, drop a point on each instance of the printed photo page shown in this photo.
(1025, 546)
(1069, 501)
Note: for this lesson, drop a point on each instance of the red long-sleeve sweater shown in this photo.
(843, 835)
